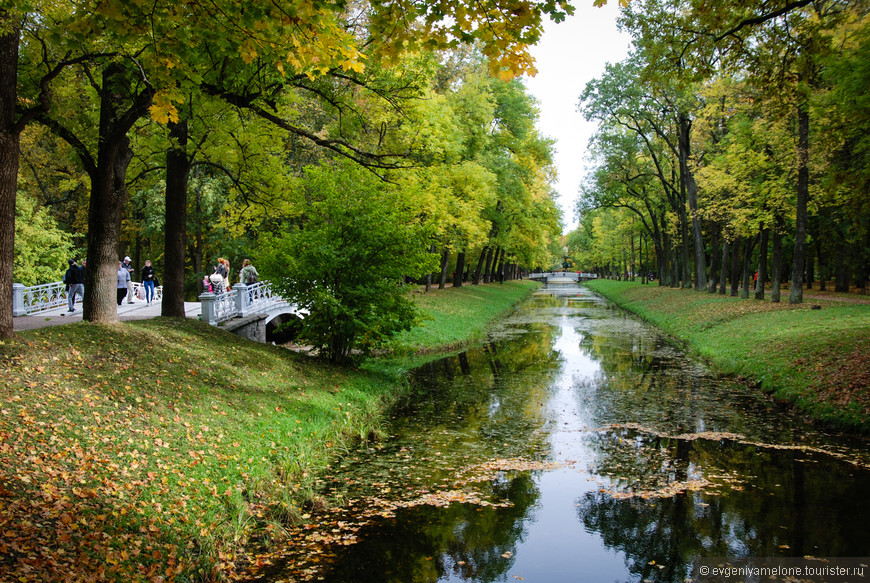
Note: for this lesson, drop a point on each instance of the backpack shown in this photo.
(251, 277)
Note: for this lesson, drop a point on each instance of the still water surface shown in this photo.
(578, 444)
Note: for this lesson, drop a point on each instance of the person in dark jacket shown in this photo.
(75, 284)
(149, 280)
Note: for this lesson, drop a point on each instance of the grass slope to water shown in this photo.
(158, 450)
(817, 359)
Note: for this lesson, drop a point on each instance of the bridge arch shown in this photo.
(283, 326)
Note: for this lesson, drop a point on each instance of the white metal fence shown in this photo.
(242, 300)
(563, 274)
(37, 299)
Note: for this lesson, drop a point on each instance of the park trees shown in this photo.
(767, 86)
(138, 61)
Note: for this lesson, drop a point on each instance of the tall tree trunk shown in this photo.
(175, 236)
(762, 265)
(776, 267)
(108, 197)
(432, 249)
(714, 263)
(861, 264)
(841, 267)
(735, 266)
(796, 294)
(445, 262)
(643, 271)
(810, 270)
(823, 267)
(724, 267)
(9, 161)
(691, 187)
(685, 267)
(460, 268)
(109, 191)
(487, 273)
(475, 280)
(747, 268)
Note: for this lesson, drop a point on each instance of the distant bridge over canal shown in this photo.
(562, 276)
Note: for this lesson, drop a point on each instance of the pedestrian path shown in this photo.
(138, 310)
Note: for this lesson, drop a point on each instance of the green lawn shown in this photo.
(166, 448)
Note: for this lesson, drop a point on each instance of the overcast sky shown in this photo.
(571, 54)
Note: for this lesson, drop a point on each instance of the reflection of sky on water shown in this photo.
(555, 546)
(570, 379)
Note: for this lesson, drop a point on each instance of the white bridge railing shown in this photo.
(242, 300)
(575, 275)
(36, 299)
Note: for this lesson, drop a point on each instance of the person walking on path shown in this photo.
(124, 282)
(128, 265)
(75, 284)
(149, 278)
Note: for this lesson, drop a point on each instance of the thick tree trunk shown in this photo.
(109, 192)
(9, 160)
(175, 236)
(108, 196)
(460, 268)
(762, 265)
(796, 294)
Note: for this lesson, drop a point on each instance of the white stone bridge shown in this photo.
(562, 276)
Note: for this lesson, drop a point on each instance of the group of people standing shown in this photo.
(219, 281)
(125, 281)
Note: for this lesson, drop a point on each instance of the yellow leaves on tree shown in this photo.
(162, 109)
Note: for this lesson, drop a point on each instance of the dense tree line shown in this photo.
(180, 131)
(733, 141)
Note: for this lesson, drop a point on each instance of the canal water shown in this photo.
(578, 444)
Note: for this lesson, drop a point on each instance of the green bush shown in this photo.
(346, 259)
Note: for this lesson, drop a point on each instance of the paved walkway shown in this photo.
(135, 311)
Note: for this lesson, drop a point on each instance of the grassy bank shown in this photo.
(456, 316)
(161, 449)
(815, 355)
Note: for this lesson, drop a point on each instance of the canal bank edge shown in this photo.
(815, 356)
(168, 447)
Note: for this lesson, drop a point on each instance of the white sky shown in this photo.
(571, 54)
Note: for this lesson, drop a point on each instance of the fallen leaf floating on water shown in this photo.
(736, 437)
(668, 491)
